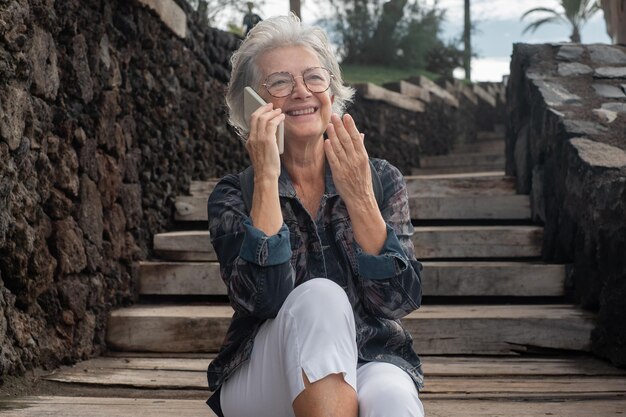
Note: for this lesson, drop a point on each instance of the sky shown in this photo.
(498, 24)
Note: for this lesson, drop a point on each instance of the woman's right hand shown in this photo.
(261, 143)
(265, 213)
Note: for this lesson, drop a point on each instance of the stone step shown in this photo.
(463, 159)
(479, 183)
(517, 279)
(437, 329)
(430, 242)
(505, 207)
(486, 146)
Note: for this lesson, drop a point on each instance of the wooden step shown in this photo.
(466, 169)
(480, 183)
(171, 373)
(563, 400)
(443, 330)
(486, 135)
(430, 242)
(518, 279)
(505, 207)
(466, 159)
(441, 366)
(485, 146)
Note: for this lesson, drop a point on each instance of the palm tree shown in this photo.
(575, 13)
(467, 41)
(294, 6)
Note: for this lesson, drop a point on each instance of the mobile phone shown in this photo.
(251, 102)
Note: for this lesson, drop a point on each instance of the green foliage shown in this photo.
(572, 12)
(395, 33)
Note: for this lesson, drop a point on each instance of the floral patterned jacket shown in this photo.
(260, 271)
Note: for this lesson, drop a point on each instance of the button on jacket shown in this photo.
(260, 270)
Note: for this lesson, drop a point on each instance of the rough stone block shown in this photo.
(15, 105)
(610, 72)
(70, 247)
(81, 68)
(556, 95)
(605, 54)
(583, 127)
(44, 60)
(616, 107)
(608, 91)
(569, 69)
(607, 116)
(599, 154)
(570, 53)
(90, 211)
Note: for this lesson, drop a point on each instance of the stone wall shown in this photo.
(566, 143)
(105, 116)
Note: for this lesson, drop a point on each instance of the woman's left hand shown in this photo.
(349, 162)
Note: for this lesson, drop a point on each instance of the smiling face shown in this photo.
(306, 114)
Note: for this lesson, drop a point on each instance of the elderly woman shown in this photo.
(318, 271)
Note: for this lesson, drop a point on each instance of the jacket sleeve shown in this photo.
(391, 281)
(256, 268)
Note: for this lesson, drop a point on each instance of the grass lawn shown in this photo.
(353, 74)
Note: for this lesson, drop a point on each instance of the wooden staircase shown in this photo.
(494, 332)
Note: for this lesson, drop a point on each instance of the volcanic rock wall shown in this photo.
(566, 143)
(105, 116)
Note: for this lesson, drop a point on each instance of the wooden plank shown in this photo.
(421, 207)
(456, 170)
(478, 184)
(202, 188)
(494, 146)
(430, 242)
(444, 366)
(459, 89)
(484, 95)
(46, 406)
(374, 92)
(485, 183)
(180, 278)
(490, 135)
(511, 207)
(409, 89)
(154, 379)
(519, 279)
(477, 241)
(571, 407)
(468, 159)
(454, 329)
(438, 91)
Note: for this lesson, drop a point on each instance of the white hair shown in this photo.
(277, 32)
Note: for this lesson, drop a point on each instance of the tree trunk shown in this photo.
(575, 36)
(467, 41)
(294, 6)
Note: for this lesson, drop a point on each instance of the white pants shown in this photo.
(314, 332)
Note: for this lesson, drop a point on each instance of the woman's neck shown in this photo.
(304, 162)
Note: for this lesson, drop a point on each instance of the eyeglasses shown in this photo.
(281, 84)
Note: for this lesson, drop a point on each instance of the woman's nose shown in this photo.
(299, 88)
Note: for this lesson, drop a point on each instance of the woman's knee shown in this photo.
(388, 392)
(319, 297)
